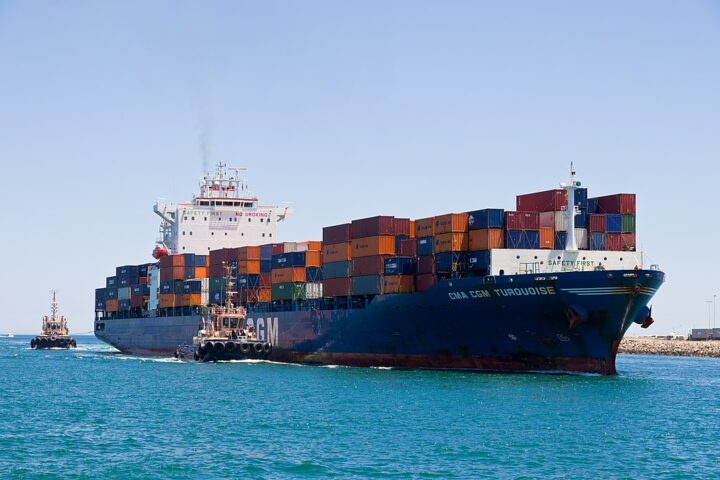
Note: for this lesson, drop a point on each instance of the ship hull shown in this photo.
(568, 322)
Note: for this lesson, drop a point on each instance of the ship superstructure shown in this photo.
(224, 214)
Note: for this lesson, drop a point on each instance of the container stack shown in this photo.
(183, 280)
(485, 233)
(295, 273)
(450, 244)
(337, 260)
(612, 222)
(551, 205)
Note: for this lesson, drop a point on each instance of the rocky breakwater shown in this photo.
(665, 346)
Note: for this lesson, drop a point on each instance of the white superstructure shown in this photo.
(224, 214)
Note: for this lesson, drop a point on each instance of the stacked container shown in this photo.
(291, 270)
(612, 222)
(337, 260)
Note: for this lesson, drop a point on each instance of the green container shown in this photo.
(217, 283)
(178, 287)
(288, 291)
(628, 224)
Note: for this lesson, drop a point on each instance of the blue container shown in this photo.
(125, 282)
(139, 290)
(124, 304)
(192, 286)
(143, 269)
(189, 272)
(111, 282)
(400, 266)
(597, 241)
(614, 223)
(265, 266)
(367, 285)
(560, 239)
(111, 293)
(449, 262)
(592, 205)
(189, 259)
(128, 271)
(581, 198)
(479, 261)
(291, 259)
(424, 246)
(200, 261)
(99, 304)
(216, 297)
(313, 274)
(581, 220)
(248, 281)
(167, 286)
(398, 239)
(527, 239)
(487, 218)
(336, 270)
(100, 294)
(266, 252)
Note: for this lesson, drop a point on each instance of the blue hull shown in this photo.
(561, 322)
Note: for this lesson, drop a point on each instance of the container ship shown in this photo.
(552, 285)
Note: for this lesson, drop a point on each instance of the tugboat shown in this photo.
(222, 337)
(54, 333)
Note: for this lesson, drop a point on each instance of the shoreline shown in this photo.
(664, 346)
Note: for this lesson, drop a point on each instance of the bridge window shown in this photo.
(249, 219)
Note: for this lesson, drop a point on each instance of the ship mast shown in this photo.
(53, 307)
(571, 210)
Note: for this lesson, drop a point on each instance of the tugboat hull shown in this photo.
(224, 350)
(52, 341)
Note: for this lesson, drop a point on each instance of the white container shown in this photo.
(313, 290)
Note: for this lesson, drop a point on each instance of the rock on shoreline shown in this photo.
(662, 346)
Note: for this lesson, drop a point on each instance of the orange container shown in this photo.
(412, 228)
(312, 245)
(369, 246)
(111, 305)
(191, 299)
(248, 267)
(451, 242)
(452, 222)
(264, 294)
(312, 258)
(547, 237)
(201, 272)
(143, 280)
(337, 252)
(289, 274)
(172, 273)
(486, 239)
(248, 253)
(425, 227)
(167, 300)
(398, 284)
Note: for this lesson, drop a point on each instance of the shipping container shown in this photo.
(620, 242)
(367, 284)
(486, 239)
(191, 299)
(559, 221)
(192, 286)
(337, 234)
(547, 238)
(398, 284)
(289, 274)
(479, 262)
(309, 246)
(337, 287)
(525, 239)
(124, 304)
(613, 223)
(337, 252)
(336, 270)
(265, 266)
(426, 264)
(403, 226)
(451, 262)
(486, 218)
(139, 302)
(249, 253)
(313, 290)
(522, 221)
(628, 224)
(424, 282)
(288, 291)
(425, 227)
(201, 272)
(166, 300)
(143, 269)
(313, 274)
(369, 246)
(111, 293)
(111, 282)
(248, 281)
(139, 291)
(398, 242)
(425, 246)
(547, 201)
(111, 305)
(408, 248)
(399, 266)
(450, 242)
(597, 223)
(373, 227)
(128, 271)
(451, 223)
(202, 261)
(248, 267)
(597, 241)
(222, 255)
(620, 203)
(100, 294)
(216, 283)
(581, 239)
(123, 293)
(266, 251)
(373, 265)
(295, 259)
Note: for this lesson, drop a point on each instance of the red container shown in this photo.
(408, 247)
(278, 248)
(336, 234)
(547, 201)
(373, 227)
(627, 242)
(265, 280)
(424, 282)
(337, 287)
(402, 226)
(597, 223)
(622, 203)
(217, 270)
(426, 264)
(137, 302)
(374, 265)
(620, 242)
(522, 220)
(217, 257)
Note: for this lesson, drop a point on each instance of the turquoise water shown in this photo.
(92, 413)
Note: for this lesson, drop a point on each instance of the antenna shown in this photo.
(572, 210)
(53, 306)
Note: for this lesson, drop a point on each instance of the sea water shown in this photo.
(95, 413)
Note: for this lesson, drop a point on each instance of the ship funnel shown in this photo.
(571, 210)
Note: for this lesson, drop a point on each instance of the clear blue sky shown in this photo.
(349, 109)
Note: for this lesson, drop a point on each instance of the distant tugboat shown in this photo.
(223, 337)
(55, 333)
